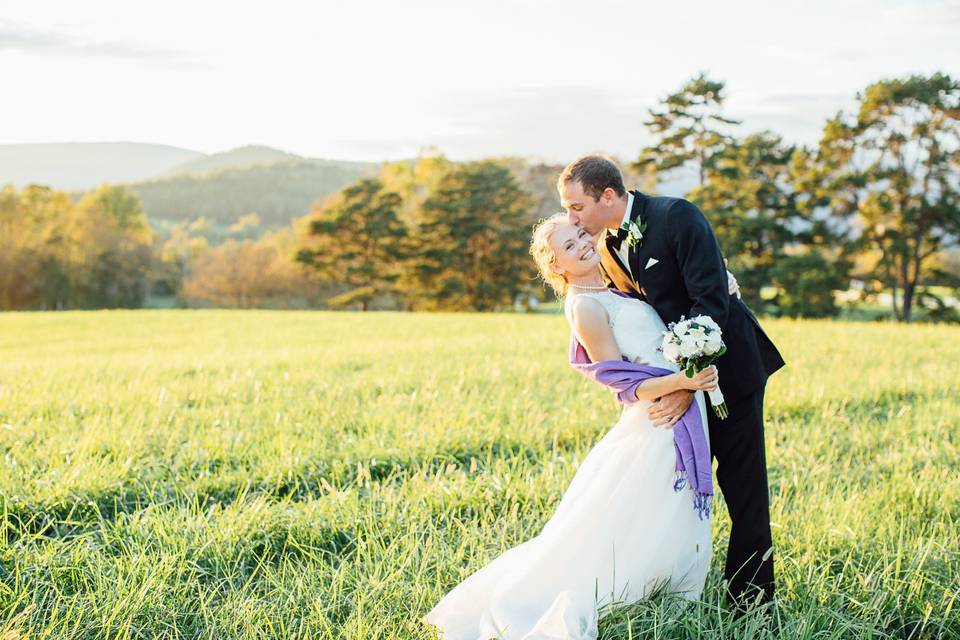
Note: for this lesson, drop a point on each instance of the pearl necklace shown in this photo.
(588, 287)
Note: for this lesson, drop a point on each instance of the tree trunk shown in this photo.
(908, 288)
(908, 291)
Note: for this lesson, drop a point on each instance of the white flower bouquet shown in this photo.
(695, 344)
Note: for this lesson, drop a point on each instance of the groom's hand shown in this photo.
(669, 408)
(733, 287)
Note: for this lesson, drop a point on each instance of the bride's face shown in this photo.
(574, 250)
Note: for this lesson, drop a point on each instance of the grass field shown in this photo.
(263, 474)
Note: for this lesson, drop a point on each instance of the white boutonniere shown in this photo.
(635, 233)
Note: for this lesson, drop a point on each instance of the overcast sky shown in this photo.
(379, 80)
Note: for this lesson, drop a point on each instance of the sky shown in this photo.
(365, 80)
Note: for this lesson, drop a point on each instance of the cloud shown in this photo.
(943, 14)
(560, 123)
(556, 124)
(17, 37)
(553, 123)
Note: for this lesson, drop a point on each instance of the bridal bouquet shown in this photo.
(695, 344)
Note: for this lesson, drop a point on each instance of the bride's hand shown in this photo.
(705, 380)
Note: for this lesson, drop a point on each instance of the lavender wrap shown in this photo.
(689, 441)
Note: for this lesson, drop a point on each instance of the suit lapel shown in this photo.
(611, 266)
(633, 252)
(607, 239)
(614, 270)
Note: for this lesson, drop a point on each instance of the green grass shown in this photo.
(264, 474)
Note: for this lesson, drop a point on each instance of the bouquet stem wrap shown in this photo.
(693, 464)
(718, 403)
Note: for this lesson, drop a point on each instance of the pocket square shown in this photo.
(651, 262)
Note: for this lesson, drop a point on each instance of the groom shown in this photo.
(664, 251)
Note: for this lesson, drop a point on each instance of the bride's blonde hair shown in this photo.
(543, 253)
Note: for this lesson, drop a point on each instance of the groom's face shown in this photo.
(583, 210)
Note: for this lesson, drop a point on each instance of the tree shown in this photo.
(360, 242)
(749, 203)
(247, 227)
(472, 240)
(175, 254)
(32, 269)
(892, 170)
(414, 180)
(687, 129)
(768, 230)
(242, 274)
(112, 233)
(806, 279)
(59, 254)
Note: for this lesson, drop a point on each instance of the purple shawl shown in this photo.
(689, 440)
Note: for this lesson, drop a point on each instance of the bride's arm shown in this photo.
(592, 326)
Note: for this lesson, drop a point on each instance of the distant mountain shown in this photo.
(247, 156)
(83, 165)
(179, 184)
(277, 192)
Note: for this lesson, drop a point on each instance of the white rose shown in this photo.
(714, 341)
(706, 321)
(688, 349)
(671, 351)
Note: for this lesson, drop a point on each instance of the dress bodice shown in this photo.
(637, 328)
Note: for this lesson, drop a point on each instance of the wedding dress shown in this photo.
(619, 532)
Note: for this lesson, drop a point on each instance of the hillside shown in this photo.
(277, 192)
(179, 184)
(75, 166)
(240, 157)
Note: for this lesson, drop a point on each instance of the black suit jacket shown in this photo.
(688, 278)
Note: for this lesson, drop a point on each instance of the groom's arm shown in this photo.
(700, 261)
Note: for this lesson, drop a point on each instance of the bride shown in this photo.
(620, 531)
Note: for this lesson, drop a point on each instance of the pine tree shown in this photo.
(472, 241)
(360, 242)
(687, 129)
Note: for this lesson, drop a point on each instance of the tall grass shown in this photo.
(258, 474)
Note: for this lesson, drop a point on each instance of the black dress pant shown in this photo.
(737, 444)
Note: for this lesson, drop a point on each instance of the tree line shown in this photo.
(876, 200)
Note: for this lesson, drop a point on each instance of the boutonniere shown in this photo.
(635, 233)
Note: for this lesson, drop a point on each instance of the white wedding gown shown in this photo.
(618, 532)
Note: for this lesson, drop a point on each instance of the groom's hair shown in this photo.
(595, 173)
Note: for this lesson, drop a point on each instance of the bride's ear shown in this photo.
(557, 269)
